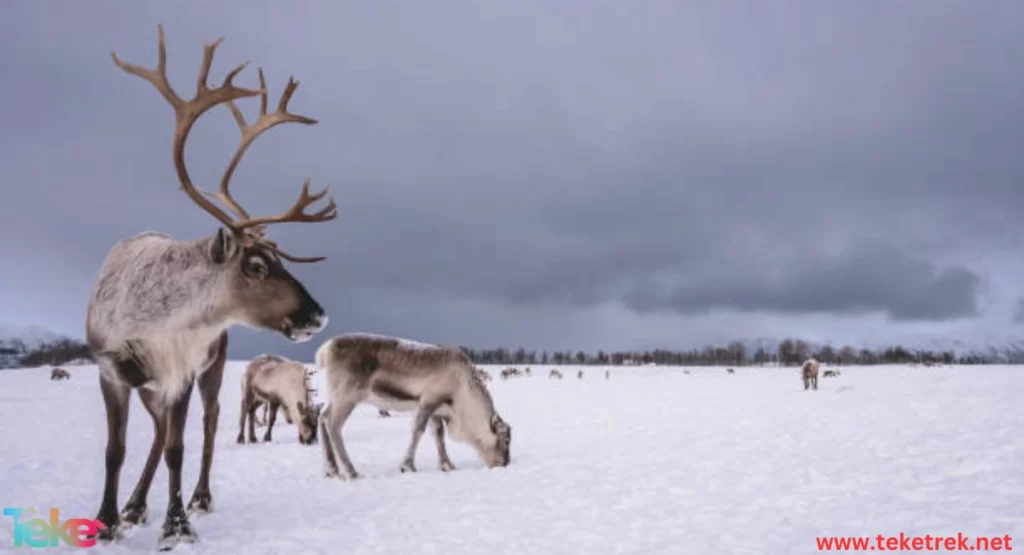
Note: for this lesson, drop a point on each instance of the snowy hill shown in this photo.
(32, 336)
(650, 462)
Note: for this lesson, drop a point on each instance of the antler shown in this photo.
(249, 229)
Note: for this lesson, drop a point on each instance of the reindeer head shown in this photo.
(495, 449)
(308, 422)
(257, 290)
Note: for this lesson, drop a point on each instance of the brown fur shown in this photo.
(60, 374)
(809, 372)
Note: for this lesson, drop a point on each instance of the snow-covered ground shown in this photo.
(651, 461)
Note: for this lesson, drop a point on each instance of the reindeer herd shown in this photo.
(159, 313)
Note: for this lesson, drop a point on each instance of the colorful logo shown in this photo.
(40, 533)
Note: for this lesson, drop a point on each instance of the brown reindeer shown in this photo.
(730, 371)
(60, 374)
(159, 313)
(554, 374)
(436, 382)
(278, 383)
(809, 371)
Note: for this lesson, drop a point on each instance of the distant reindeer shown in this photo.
(509, 373)
(277, 383)
(435, 381)
(607, 374)
(60, 374)
(579, 375)
(810, 373)
(554, 375)
(687, 372)
(482, 375)
(830, 373)
(383, 413)
(158, 316)
(730, 371)
(528, 374)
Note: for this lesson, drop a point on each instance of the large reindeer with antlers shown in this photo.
(158, 318)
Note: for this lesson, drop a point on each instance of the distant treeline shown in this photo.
(14, 353)
(791, 352)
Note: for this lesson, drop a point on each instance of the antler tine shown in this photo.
(186, 113)
(249, 134)
(158, 76)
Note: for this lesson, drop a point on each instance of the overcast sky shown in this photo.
(577, 174)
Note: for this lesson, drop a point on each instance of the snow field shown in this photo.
(650, 461)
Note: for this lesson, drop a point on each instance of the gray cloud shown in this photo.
(547, 160)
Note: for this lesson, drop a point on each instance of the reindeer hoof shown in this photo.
(201, 503)
(176, 530)
(407, 466)
(447, 466)
(134, 514)
(266, 439)
(111, 533)
(240, 440)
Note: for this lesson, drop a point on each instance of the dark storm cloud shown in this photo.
(785, 157)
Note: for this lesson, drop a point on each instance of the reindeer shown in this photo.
(383, 413)
(579, 375)
(60, 374)
(809, 371)
(554, 375)
(830, 373)
(159, 313)
(730, 371)
(482, 375)
(607, 374)
(435, 381)
(277, 382)
(528, 373)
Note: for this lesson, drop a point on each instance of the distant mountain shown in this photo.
(32, 336)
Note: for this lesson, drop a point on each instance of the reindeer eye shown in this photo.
(255, 266)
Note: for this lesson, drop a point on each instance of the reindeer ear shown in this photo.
(224, 246)
(497, 424)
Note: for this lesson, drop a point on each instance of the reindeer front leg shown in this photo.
(176, 527)
(444, 463)
(209, 391)
(426, 410)
(271, 418)
(336, 461)
(115, 399)
(136, 510)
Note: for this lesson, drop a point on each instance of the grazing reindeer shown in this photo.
(687, 372)
(436, 381)
(60, 374)
(383, 413)
(809, 370)
(276, 382)
(158, 317)
(554, 375)
(830, 373)
(730, 371)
